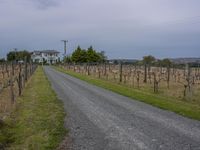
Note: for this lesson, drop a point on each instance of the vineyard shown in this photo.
(182, 83)
(13, 77)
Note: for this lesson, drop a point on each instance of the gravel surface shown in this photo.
(99, 119)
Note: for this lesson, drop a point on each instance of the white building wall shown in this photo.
(48, 57)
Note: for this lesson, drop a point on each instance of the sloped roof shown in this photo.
(47, 51)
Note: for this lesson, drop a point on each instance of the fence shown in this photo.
(12, 81)
(179, 82)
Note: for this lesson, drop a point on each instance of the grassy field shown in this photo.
(178, 106)
(38, 121)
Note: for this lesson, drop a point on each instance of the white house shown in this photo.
(45, 56)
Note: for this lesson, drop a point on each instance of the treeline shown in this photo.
(147, 60)
(151, 60)
(17, 56)
(86, 56)
(91, 55)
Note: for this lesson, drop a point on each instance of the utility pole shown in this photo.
(65, 46)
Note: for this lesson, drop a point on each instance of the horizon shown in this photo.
(61, 55)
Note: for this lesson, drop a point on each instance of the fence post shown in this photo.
(12, 96)
(20, 80)
(31, 68)
(145, 73)
(88, 69)
(3, 70)
(105, 69)
(25, 71)
(120, 72)
(168, 75)
(99, 72)
(74, 67)
(7, 70)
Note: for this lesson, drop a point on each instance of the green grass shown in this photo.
(176, 105)
(38, 121)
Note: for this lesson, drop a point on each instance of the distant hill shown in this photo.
(174, 60)
(185, 60)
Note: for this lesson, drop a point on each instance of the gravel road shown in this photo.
(99, 119)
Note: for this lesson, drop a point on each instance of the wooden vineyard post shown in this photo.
(3, 68)
(105, 70)
(23, 79)
(168, 76)
(99, 73)
(74, 67)
(25, 71)
(79, 69)
(31, 71)
(7, 70)
(88, 69)
(155, 87)
(20, 80)
(12, 96)
(154, 81)
(133, 82)
(145, 73)
(120, 72)
(138, 79)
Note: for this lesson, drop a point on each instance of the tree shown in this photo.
(89, 55)
(102, 56)
(11, 56)
(67, 59)
(83, 58)
(92, 55)
(147, 61)
(18, 55)
(2, 60)
(166, 62)
(76, 55)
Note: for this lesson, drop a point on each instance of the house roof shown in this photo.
(46, 51)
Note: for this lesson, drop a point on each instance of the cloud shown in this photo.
(45, 4)
(128, 28)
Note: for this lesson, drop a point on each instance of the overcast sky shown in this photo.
(121, 28)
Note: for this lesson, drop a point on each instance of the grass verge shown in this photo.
(38, 121)
(180, 107)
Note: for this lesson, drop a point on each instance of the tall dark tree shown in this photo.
(89, 55)
(76, 55)
(92, 55)
(79, 55)
(83, 56)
